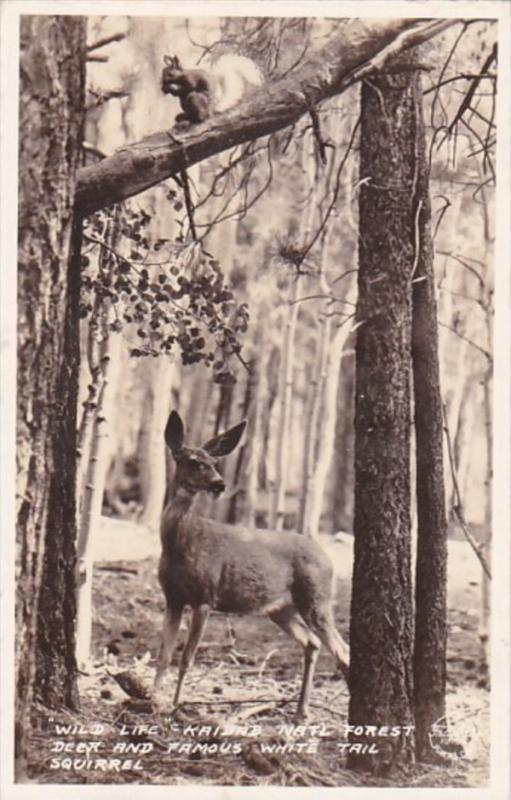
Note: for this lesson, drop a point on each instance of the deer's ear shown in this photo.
(174, 432)
(224, 443)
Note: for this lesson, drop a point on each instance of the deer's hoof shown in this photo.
(161, 704)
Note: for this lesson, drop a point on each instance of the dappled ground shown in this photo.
(233, 725)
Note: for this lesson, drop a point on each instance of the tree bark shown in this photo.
(343, 480)
(359, 47)
(153, 477)
(486, 301)
(326, 443)
(381, 691)
(51, 120)
(256, 417)
(312, 448)
(431, 568)
(92, 488)
(274, 368)
(486, 538)
(278, 511)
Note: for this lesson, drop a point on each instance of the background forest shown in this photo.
(282, 228)
(229, 292)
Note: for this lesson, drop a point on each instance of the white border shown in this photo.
(10, 12)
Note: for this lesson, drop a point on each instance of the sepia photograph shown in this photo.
(255, 379)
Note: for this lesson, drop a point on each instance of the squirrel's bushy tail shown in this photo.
(234, 75)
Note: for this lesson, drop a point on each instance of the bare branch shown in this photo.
(443, 71)
(467, 100)
(466, 339)
(353, 53)
(477, 547)
(441, 213)
(487, 157)
(335, 195)
(101, 98)
(95, 151)
(115, 37)
(464, 263)
(463, 76)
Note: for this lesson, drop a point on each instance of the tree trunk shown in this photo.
(93, 487)
(486, 301)
(317, 388)
(237, 479)
(89, 520)
(327, 433)
(51, 119)
(486, 539)
(255, 433)
(285, 389)
(381, 689)
(431, 568)
(273, 370)
(153, 478)
(341, 486)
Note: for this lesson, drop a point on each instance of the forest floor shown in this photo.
(235, 722)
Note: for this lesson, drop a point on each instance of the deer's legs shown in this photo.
(292, 623)
(323, 625)
(199, 619)
(171, 622)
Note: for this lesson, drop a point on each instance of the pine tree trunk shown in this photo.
(255, 433)
(455, 412)
(285, 389)
(485, 609)
(238, 479)
(312, 447)
(51, 117)
(343, 482)
(381, 637)
(89, 520)
(273, 371)
(326, 441)
(93, 487)
(431, 568)
(153, 478)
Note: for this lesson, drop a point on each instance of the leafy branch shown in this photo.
(171, 295)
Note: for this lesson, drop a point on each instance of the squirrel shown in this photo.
(203, 93)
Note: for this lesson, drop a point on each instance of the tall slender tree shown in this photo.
(381, 636)
(429, 660)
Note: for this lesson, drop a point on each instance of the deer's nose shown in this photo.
(217, 486)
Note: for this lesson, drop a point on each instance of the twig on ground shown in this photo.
(246, 713)
(265, 661)
(238, 701)
(116, 568)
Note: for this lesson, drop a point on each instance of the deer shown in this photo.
(208, 565)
